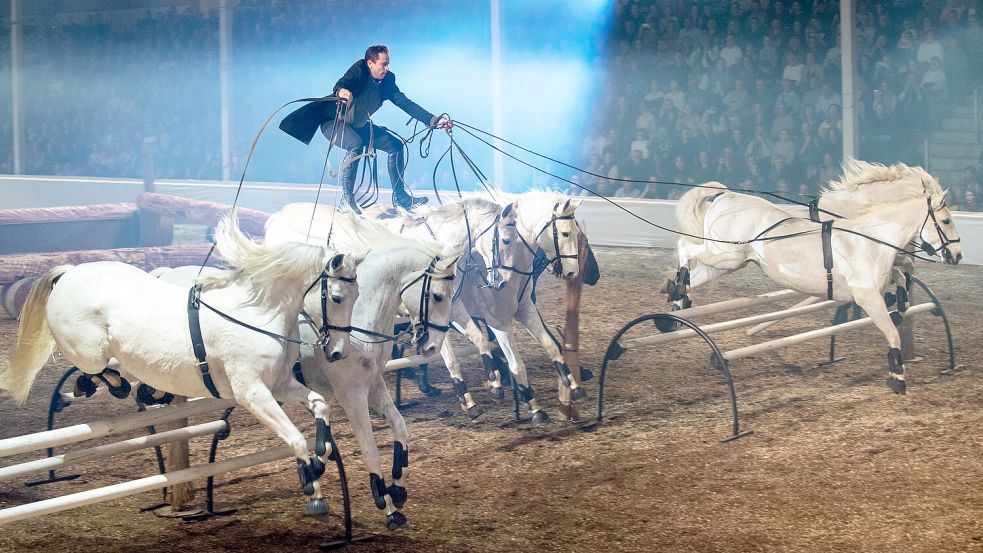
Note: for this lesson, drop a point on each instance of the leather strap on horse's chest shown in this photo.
(197, 342)
(827, 234)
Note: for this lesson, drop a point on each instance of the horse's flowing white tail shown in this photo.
(34, 340)
(692, 208)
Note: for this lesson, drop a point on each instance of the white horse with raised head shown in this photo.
(397, 270)
(889, 209)
(97, 311)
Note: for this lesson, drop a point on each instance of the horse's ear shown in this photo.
(337, 261)
(447, 264)
(946, 194)
(507, 212)
(576, 204)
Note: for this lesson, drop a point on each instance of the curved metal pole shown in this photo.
(939, 312)
(56, 405)
(614, 351)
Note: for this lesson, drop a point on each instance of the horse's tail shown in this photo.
(692, 208)
(34, 340)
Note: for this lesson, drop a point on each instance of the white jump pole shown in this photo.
(411, 361)
(748, 351)
(107, 427)
(725, 325)
(758, 328)
(123, 489)
(734, 304)
(109, 450)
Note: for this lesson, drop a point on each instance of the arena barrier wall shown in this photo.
(605, 224)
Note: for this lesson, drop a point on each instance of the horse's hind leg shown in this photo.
(872, 303)
(260, 402)
(468, 404)
(382, 403)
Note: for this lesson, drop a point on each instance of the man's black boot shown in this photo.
(400, 197)
(347, 201)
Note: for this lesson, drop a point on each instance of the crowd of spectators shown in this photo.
(747, 92)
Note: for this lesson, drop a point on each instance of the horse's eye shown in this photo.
(506, 242)
(565, 234)
(438, 298)
(946, 221)
(336, 299)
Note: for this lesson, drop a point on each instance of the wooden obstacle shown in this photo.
(19, 271)
(186, 210)
(720, 358)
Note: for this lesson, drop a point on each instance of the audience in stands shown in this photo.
(743, 92)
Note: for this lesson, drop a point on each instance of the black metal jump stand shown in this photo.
(56, 405)
(665, 320)
(938, 311)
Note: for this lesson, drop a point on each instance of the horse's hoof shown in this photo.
(430, 391)
(539, 417)
(578, 394)
(498, 394)
(397, 494)
(395, 521)
(474, 411)
(122, 391)
(317, 508)
(897, 386)
(84, 386)
(666, 325)
(586, 374)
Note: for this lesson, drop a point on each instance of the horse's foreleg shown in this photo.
(480, 340)
(872, 303)
(519, 377)
(260, 402)
(354, 400)
(529, 317)
(468, 404)
(295, 392)
(382, 403)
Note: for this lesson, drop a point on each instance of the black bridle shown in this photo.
(324, 333)
(421, 330)
(944, 239)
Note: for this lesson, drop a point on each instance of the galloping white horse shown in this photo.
(543, 220)
(98, 311)
(397, 270)
(889, 207)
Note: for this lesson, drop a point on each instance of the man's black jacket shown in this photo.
(368, 95)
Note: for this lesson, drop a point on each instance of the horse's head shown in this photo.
(503, 251)
(559, 239)
(338, 292)
(427, 295)
(938, 233)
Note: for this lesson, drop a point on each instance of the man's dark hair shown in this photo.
(372, 52)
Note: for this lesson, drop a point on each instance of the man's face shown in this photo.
(379, 67)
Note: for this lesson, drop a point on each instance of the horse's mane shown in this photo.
(358, 234)
(480, 213)
(264, 267)
(904, 182)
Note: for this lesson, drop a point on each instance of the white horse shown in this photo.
(97, 311)
(544, 220)
(397, 270)
(494, 259)
(891, 207)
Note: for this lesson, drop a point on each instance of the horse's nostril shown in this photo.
(336, 356)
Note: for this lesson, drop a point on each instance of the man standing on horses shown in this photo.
(363, 89)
